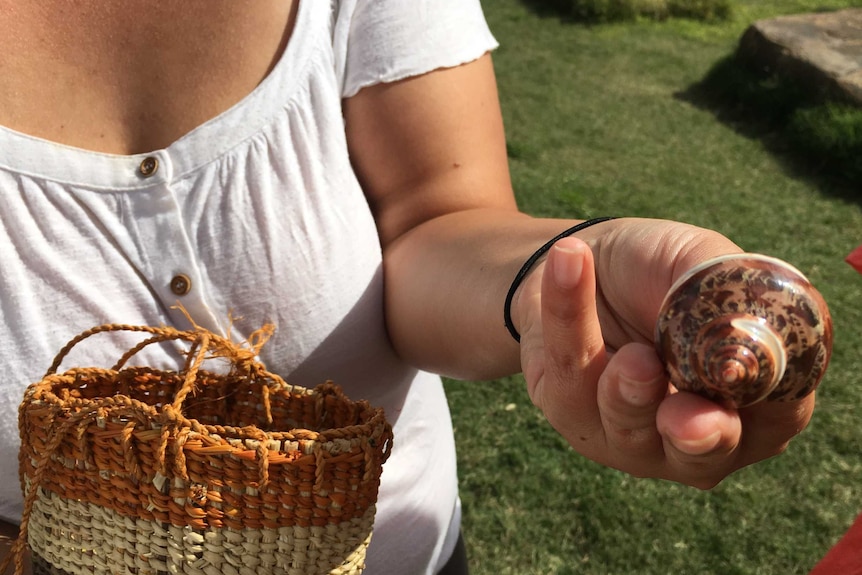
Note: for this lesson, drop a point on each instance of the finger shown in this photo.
(768, 426)
(532, 344)
(701, 439)
(629, 394)
(572, 334)
(573, 345)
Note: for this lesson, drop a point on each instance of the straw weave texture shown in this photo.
(145, 471)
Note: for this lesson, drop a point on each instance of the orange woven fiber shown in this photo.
(139, 470)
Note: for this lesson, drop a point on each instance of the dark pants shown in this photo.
(457, 564)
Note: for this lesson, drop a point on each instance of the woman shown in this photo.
(338, 169)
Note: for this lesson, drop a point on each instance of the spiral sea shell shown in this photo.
(742, 328)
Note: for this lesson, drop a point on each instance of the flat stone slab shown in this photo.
(823, 49)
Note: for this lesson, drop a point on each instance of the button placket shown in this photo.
(164, 245)
(181, 277)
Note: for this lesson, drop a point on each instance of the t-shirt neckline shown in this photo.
(44, 159)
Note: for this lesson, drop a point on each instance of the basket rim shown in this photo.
(121, 406)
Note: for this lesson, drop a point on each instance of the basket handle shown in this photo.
(204, 344)
(108, 327)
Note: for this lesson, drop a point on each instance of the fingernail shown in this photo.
(698, 446)
(568, 267)
(637, 393)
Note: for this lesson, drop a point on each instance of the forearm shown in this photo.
(446, 281)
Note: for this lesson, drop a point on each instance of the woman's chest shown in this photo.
(126, 78)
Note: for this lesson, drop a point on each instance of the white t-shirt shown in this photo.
(260, 209)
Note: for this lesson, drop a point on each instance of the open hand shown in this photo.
(587, 317)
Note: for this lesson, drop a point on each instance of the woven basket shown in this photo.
(137, 470)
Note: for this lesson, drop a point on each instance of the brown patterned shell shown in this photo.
(739, 329)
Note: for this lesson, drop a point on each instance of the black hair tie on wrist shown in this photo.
(528, 265)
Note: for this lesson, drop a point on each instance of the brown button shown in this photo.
(149, 166)
(181, 284)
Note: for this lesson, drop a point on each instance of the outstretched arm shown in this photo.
(430, 154)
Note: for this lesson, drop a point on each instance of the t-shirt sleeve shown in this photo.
(378, 41)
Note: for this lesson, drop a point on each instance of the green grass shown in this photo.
(595, 11)
(601, 120)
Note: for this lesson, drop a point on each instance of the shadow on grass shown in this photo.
(564, 11)
(591, 12)
(815, 137)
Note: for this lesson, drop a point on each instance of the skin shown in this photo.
(430, 154)
(443, 201)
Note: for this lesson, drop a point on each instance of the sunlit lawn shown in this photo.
(599, 124)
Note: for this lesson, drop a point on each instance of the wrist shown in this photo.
(528, 267)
